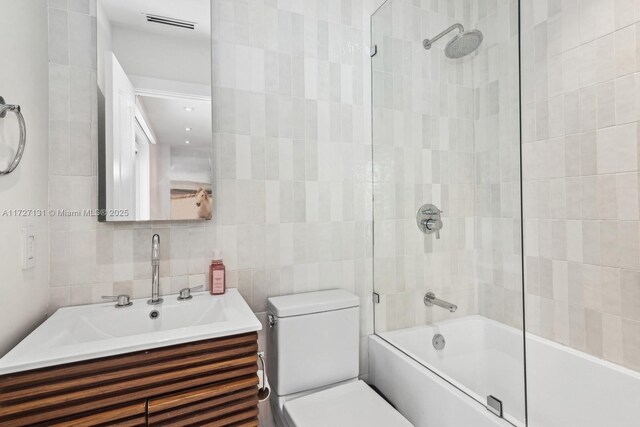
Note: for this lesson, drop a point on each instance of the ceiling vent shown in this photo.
(170, 21)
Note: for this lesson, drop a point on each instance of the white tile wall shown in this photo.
(497, 164)
(422, 123)
(580, 164)
(582, 234)
(292, 160)
(293, 163)
(446, 132)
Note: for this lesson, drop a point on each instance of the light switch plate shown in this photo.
(28, 248)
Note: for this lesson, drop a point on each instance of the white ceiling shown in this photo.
(132, 14)
(168, 119)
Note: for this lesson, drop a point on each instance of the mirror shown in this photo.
(154, 110)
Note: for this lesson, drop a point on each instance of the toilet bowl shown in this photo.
(313, 348)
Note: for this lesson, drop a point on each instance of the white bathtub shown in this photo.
(566, 388)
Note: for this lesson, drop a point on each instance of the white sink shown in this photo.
(98, 330)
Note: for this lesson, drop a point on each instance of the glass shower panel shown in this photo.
(446, 147)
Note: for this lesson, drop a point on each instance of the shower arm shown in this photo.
(428, 42)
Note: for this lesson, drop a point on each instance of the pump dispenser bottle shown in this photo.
(217, 273)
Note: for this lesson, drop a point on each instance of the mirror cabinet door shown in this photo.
(154, 96)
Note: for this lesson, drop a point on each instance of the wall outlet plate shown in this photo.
(28, 248)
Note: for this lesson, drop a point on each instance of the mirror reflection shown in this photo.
(154, 96)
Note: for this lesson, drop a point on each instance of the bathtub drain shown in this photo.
(438, 342)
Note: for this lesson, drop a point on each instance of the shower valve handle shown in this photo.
(429, 219)
(433, 225)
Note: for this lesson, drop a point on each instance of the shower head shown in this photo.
(464, 43)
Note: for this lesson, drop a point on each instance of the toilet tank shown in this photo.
(313, 340)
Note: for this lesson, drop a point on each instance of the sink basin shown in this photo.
(85, 332)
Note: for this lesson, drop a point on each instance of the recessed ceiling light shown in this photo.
(187, 129)
(187, 142)
(188, 108)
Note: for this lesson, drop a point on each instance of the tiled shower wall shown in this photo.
(423, 152)
(497, 164)
(292, 160)
(580, 63)
(446, 132)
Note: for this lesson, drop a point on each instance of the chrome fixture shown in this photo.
(461, 45)
(121, 300)
(494, 405)
(155, 265)
(438, 342)
(430, 300)
(185, 293)
(273, 320)
(429, 219)
(263, 392)
(23, 134)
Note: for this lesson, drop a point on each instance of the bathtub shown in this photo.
(481, 357)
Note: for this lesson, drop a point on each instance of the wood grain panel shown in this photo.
(85, 393)
(224, 416)
(186, 411)
(80, 369)
(192, 397)
(248, 423)
(124, 415)
(213, 402)
(230, 420)
(253, 422)
(111, 386)
(174, 367)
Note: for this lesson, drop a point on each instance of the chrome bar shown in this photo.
(430, 300)
(428, 42)
(4, 108)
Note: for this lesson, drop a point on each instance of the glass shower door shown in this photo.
(447, 193)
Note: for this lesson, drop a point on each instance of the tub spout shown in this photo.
(430, 300)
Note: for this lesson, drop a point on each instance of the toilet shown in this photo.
(313, 349)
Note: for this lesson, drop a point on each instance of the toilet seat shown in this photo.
(353, 404)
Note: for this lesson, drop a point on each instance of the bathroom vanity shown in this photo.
(83, 367)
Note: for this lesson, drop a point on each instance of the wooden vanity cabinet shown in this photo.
(203, 383)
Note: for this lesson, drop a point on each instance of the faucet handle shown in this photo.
(429, 219)
(435, 225)
(122, 300)
(185, 293)
(432, 211)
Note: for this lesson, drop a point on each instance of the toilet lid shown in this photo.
(350, 405)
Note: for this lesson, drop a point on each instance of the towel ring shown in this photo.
(23, 134)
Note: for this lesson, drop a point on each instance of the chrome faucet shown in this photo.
(430, 300)
(155, 265)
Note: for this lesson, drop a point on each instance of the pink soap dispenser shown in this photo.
(217, 279)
